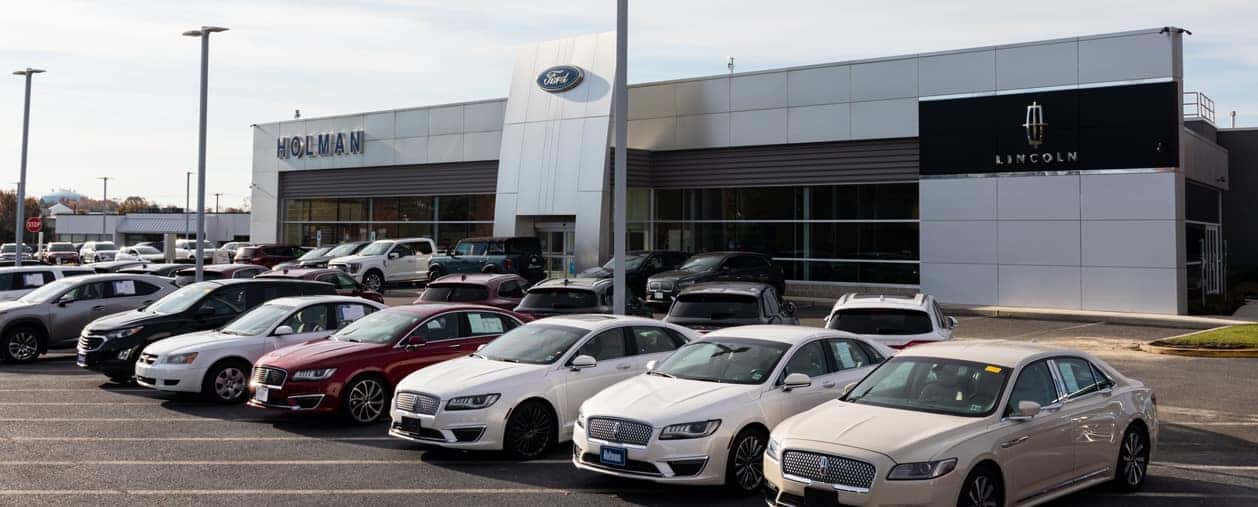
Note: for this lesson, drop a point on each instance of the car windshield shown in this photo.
(533, 344)
(257, 321)
(559, 299)
(632, 262)
(716, 306)
(316, 253)
(182, 299)
(105, 246)
(60, 247)
(145, 250)
(454, 292)
(379, 327)
(700, 263)
(886, 321)
(342, 250)
(46, 293)
(725, 360)
(377, 248)
(927, 384)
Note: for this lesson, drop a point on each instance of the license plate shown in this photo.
(261, 394)
(81, 360)
(818, 497)
(613, 456)
(411, 424)
(657, 295)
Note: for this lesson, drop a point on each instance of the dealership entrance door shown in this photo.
(558, 248)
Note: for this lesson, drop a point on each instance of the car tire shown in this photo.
(373, 280)
(531, 430)
(744, 467)
(1133, 460)
(21, 344)
(434, 273)
(365, 400)
(226, 382)
(489, 269)
(982, 488)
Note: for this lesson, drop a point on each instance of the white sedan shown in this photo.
(217, 363)
(140, 253)
(703, 415)
(521, 392)
(969, 424)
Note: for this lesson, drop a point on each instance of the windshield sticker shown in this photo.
(124, 288)
(350, 313)
(993, 369)
(33, 280)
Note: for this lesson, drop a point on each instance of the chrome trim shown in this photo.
(1069, 172)
(1066, 484)
(837, 487)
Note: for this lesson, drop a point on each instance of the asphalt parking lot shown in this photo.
(68, 437)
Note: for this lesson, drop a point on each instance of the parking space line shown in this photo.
(307, 492)
(1218, 468)
(129, 419)
(330, 462)
(76, 403)
(71, 389)
(197, 439)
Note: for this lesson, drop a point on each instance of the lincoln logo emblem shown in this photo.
(616, 431)
(1036, 127)
(823, 465)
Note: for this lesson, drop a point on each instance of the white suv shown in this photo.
(388, 261)
(895, 321)
(97, 251)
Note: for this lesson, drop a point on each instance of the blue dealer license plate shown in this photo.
(81, 360)
(613, 456)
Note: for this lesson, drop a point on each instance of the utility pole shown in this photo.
(204, 35)
(216, 196)
(21, 184)
(620, 94)
(187, 202)
(104, 216)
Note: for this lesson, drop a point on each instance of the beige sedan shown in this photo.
(968, 423)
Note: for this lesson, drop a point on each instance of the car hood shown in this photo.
(472, 375)
(662, 401)
(679, 275)
(596, 272)
(8, 306)
(902, 435)
(193, 342)
(321, 352)
(353, 258)
(121, 320)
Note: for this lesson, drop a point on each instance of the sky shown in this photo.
(120, 95)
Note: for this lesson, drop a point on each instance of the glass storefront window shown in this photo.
(363, 219)
(384, 209)
(880, 201)
(415, 209)
(352, 210)
(323, 210)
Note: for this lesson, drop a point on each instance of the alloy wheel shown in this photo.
(230, 383)
(531, 427)
(749, 463)
(981, 492)
(366, 400)
(373, 281)
(23, 345)
(1133, 459)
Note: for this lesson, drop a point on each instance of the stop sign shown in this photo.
(34, 224)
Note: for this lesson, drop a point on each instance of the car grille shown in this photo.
(90, 343)
(619, 431)
(269, 376)
(417, 403)
(836, 470)
(146, 358)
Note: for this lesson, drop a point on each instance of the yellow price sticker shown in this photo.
(992, 369)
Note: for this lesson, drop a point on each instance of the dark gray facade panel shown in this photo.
(639, 167)
(787, 164)
(1240, 209)
(480, 177)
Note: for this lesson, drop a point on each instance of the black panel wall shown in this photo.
(480, 177)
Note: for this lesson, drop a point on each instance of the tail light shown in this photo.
(506, 264)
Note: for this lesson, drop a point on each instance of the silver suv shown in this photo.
(52, 316)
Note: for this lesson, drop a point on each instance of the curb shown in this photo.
(1170, 321)
(1215, 353)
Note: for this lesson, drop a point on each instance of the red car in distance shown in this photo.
(267, 255)
(345, 284)
(352, 373)
(490, 289)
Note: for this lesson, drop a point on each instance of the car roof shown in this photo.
(105, 277)
(495, 238)
(296, 273)
(310, 300)
(779, 333)
(39, 267)
(220, 268)
(429, 309)
(917, 301)
(476, 278)
(598, 321)
(1007, 353)
(575, 283)
(740, 288)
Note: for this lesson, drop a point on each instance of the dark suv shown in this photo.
(521, 256)
(639, 266)
(112, 344)
(567, 296)
(715, 305)
(662, 288)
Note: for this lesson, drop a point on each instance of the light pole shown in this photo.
(187, 201)
(204, 34)
(620, 93)
(216, 196)
(104, 215)
(21, 184)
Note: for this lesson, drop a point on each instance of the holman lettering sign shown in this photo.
(330, 144)
(1118, 127)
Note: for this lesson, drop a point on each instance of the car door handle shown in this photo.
(98, 308)
(1017, 441)
(624, 366)
(457, 346)
(828, 384)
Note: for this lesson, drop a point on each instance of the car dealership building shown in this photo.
(1066, 173)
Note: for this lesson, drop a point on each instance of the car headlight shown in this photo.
(681, 284)
(180, 358)
(773, 449)
(690, 430)
(476, 402)
(353, 267)
(316, 374)
(922, 471)
(123, 333)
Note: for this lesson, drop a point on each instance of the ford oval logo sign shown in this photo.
(560, 78)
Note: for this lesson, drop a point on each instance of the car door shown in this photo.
(86, 303)
(400, 263)
(442, 340)
(611, 349)
(126, 295)
(851, 363)
(483, 327)
(811, 359)
(222, 305)
(1036, 454)
(308, 323)
(423, 255)
(1094, 413)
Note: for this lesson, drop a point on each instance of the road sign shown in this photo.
(34, 224)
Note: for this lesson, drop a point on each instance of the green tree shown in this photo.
(8, 210)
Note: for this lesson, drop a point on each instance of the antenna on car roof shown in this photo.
(464, 277)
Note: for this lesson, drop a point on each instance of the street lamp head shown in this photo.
(27, 71)
(192, 33)
(214, 29)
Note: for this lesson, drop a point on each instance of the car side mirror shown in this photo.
(283, 330)
(1026, 411)
(650, 365)
(952, 322)
(413, 342)
(482, 347)
(394, 255)
(796, 381)
(848, 388)
(583, 361)
(65, 299)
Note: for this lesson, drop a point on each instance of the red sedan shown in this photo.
(353, 372)
(491, 289)
(345, 285)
